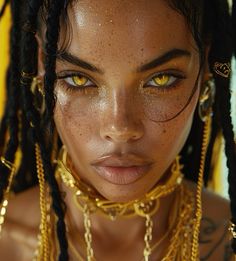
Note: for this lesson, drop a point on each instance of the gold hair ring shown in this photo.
(26, 77)
(222, 69)
(232, 229)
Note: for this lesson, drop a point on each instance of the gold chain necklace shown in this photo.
(180, 228)
(85, 194)
(89, 201)
(183, 228)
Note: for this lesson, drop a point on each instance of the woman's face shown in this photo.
(125, 80)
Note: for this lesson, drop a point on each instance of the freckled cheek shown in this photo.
(164, 105)
(75, 119)
(170, 137)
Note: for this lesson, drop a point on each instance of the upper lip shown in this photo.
(127, 160)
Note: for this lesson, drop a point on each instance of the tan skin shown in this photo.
(114, 116)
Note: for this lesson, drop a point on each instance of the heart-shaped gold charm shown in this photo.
(223, 69)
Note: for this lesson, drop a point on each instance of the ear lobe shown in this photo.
(41, 56)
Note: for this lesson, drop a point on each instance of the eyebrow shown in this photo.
(166, 57)
(70, 58)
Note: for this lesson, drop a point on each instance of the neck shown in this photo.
(103, 221)
(123, 228)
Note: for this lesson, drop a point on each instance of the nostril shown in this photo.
(108, 138)
(122, 137)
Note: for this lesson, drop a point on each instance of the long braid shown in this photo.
(11, 116)
(3, 125)
(52, 36)
(31, 116)
(234, 24)
(30, 46)
(222, 52)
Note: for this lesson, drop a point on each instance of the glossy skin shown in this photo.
(115, 116)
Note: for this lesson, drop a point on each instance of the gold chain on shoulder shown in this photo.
(6, 194)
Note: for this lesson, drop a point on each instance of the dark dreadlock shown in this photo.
(29, 66)
(209, 22)
(10, 120)
(23, 43)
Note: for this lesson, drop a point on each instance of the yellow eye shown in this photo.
(162, 79)
(79, 80)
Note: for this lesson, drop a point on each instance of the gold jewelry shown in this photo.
(232, 229)
(198, 215)
(88, 201)
(222, 69)
(180, 224)
(26, 77)
(6, 194)
(141, 207)
(206, 99)
(43, 251)
(38, 94)
(184, 240)
(180, 248)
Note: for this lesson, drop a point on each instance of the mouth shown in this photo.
(121, 170)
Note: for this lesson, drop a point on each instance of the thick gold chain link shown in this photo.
(148, 238)
(88, 234)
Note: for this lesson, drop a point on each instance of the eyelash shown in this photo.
(70, 87)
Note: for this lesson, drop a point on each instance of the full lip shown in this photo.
(121, 170)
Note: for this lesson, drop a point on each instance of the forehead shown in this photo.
(132, 31)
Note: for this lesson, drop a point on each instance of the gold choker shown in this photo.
(89, 201)
(148, 205)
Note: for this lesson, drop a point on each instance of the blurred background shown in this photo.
(219, 184)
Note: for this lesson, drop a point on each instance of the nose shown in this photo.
(121, 120)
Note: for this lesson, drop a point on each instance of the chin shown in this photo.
(123, 193)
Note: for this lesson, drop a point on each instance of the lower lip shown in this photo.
(122, 175)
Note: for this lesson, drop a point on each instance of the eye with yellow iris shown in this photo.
(78, 81)
(163, 80)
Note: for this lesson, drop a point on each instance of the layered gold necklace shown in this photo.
(186, 223)
(180, 221)
(181, 226)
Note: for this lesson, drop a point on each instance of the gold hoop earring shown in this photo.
(39, 94)
(206, 100)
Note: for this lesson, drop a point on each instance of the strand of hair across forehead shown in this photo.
(11, 121)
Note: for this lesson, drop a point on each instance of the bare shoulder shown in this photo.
(214, 235)
(19, 235)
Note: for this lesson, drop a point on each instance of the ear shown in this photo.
(41, 56)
